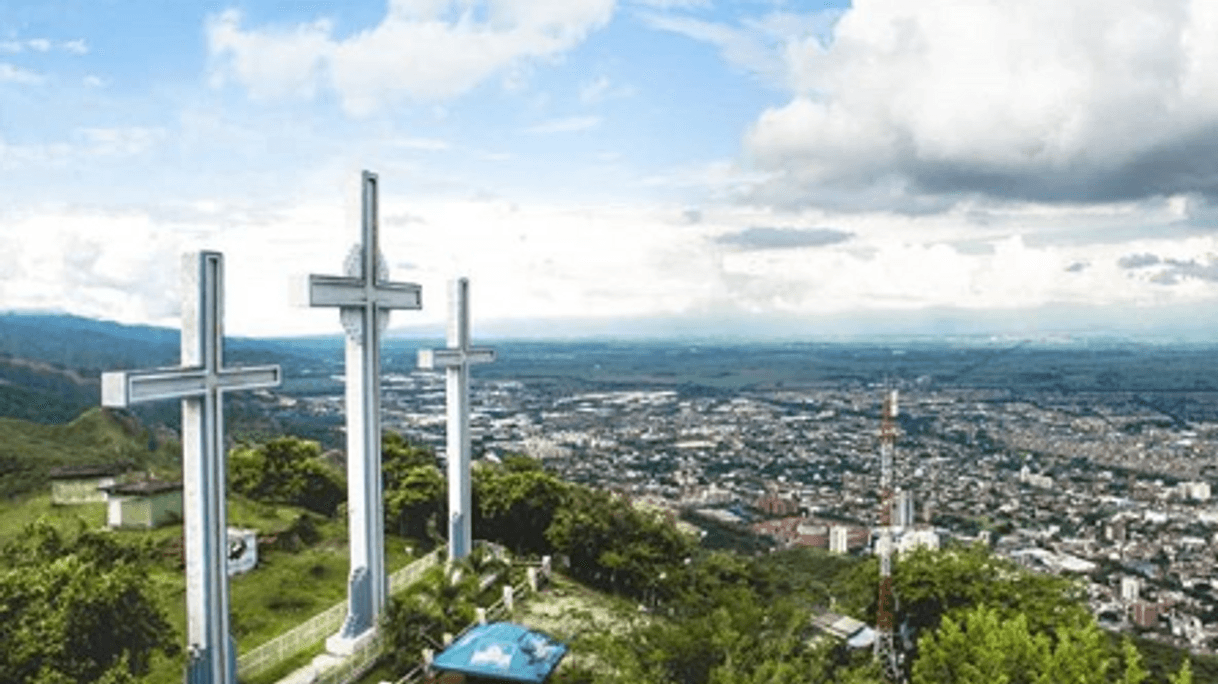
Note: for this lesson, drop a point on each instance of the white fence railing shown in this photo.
(499, 610)
(315, 630)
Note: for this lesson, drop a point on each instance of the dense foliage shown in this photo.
(28, 451)
(415, 491)
(77, 609)
(287, 470)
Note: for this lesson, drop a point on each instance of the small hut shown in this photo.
(151, 503)
(82, 484)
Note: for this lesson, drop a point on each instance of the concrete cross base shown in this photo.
(343, 645)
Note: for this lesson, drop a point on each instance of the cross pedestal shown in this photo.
(457, 359)
(200, 383)
(364, 297)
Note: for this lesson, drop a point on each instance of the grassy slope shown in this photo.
(284, 590)
(28, 450)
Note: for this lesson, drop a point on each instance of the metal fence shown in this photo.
(315, 630)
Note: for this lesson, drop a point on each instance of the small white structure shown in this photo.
(1131, 588)
(242, 550)
(74, 485)
(1026, 476)
(839, 536)
(918, 539)
(903, 509)
(1194, 491)
(148, 504)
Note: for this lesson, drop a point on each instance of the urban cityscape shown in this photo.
(1101, 486)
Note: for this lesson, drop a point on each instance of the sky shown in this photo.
(622, 166)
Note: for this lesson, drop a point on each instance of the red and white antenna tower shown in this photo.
(885, 642)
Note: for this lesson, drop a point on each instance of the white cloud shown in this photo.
(425, 144)
(602, 89)
(122, 142)
(85, 144)
(76, 47)
(570, 124)
(1089, 100)
(759, 45)
(421, 51)
(553, 261)
(13, 74)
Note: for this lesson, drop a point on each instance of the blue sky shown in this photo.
(716, 166)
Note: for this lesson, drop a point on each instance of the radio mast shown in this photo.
(885, 643)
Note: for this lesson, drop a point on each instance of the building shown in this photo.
(1195, 491)
(903, 509)
(1131, 588)
(1146, 614)
(73, 485)
(855, 633)
(839, 539)
(916, 539)
(151, 503)
(778, 506)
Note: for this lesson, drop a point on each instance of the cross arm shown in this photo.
(121, 389)
(431, 359)
(346, 291)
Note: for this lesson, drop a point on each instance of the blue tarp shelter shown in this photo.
(502, 651)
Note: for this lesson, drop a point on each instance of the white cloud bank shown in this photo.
(554, 262)
(421, 50)
(1041, 100)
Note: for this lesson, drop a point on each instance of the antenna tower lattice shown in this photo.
(885, 642)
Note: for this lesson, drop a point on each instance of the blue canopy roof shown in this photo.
(503, 650)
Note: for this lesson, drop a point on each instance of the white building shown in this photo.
(915, 539)
(903, 509)
(1131, 587)
(839, 539)
(1196, 491)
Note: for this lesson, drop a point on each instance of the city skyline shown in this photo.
(760, 167)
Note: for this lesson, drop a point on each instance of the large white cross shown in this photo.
(457, 359)
(200, 383)
(364, 297)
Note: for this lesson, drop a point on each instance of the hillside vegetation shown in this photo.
(28, 451)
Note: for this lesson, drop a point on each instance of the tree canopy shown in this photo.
(77, 608)
(287, 470)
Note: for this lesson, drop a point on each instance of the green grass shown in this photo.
(284, 590)
(16, 513)
(28, 450)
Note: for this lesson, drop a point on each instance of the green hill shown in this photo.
(28, 451)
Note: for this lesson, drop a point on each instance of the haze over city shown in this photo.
(636, 166)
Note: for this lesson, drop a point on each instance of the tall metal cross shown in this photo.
(457, 359)
(364, 297)
(200, 383)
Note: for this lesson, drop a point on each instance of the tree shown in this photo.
(77, 609)
(415, 501)
(415, 490)
(931, 584)
(1134, 672)
(441, 602)
(287, 470)
(985, 647)
(1184, 675)
(515, 504)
